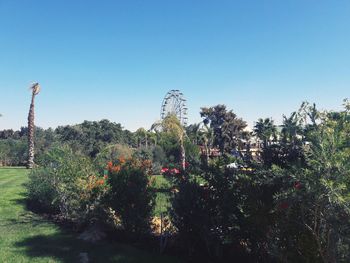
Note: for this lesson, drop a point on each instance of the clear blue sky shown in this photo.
(117, 59)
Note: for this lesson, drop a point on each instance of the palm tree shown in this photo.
(35, 89)
(193, 132)
(228, 128)
(152, 137)
(172, 125)
(207, 137)
(142, 136)
(292, 139)
(291, 128)
(265, 130)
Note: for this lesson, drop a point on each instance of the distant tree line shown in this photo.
(94, 139)
(89, 138)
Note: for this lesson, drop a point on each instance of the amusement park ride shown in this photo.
(174, 102)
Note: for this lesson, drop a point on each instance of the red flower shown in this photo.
(175, 171)
(100, 182)
(297, 185)
(122, 160)
(283, 205)
(164, 170)
(116, 168)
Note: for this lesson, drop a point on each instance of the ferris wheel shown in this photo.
(174, 103)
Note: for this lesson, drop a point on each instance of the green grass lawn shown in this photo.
(26, 237)
(162, 187)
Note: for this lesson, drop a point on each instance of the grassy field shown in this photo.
(26, 237)
(162, 187)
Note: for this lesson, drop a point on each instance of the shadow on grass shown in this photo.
(22, 200)
(65, 248)
(58, 246)
(26, 217)
(23, 219)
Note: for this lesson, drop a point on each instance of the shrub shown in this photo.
(92, 190)
(190, 215)
(65, 183)
(143, 154)
(221, 213)
(13, 152)
(158, 155)
(131, 196)
(41, 191)
(112, 152)
(205, 214)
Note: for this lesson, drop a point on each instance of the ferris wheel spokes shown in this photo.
(175, 103)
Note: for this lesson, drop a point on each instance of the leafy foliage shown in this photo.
(131, 196)
(91, 137)
(289, 204)
(61, 184)
(228, 128)
(319, 202)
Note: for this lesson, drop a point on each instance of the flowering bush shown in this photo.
(131, 196)
(313, 227)
(170, 171)
(65, 184)
(92, 191)
(112, 152)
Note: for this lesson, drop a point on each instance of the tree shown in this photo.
(314, 226)
(91, 137)
(228, 128)
(35, 88)
(265, 130)
(171, 125)
(291, 128)
(292, 139)
(153, 138)
(207, 139)
(193, 132)
(142, 137)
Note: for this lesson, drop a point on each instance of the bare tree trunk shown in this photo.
(207, 153)
(31, 128)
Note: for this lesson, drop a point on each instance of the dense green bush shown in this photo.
(41, 191)
(91, 137)
(207, 210)
(130, 195)
(298, 212)
(314, 224)
(190, 215)
(13, 152)
(65, 182)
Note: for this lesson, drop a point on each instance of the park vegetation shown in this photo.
(273, 194)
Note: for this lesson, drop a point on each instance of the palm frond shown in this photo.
(35, 87)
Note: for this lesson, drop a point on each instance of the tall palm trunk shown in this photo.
(146, 140)
(207, 152)
(35, 90)
(183, 155)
